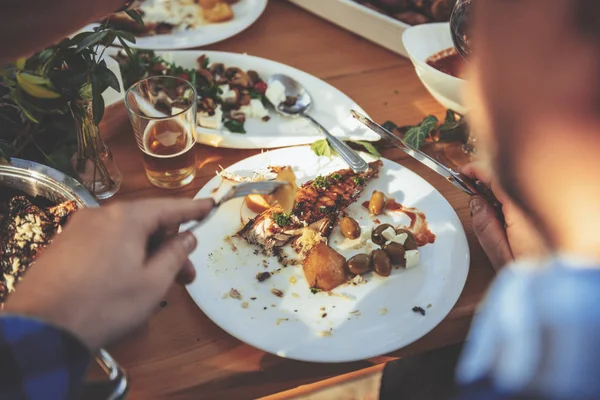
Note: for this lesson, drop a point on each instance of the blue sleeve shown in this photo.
(39, 361)
(537, 334)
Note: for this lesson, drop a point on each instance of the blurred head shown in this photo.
(535, 101)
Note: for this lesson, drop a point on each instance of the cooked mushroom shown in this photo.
(254, 78)
(238, 116)
(204, 75)
(238, 77)
(217, 68)
(245, 98)
(206, 104)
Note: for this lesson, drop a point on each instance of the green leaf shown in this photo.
(450, 122)
(108, 77)
(234, 126)
(368, 146)
(91, 40)
(86, 92)
(128, 36)
(136, 16)
(97, 102)
(321, 148)
(416, 135)
(125, 47)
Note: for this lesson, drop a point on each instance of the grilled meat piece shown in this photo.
(317, 205)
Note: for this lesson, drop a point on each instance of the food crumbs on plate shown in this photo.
(264, 308)
(322, 308)
(229, 241)
(265, 263)
(280, 320)
(277, 292)
(355, 312)
(293, 280)
(245, 304)
(296, 295)
(252, 298)
(263, 276)
(429, 306)
(419, 310)
(225, 295)
(235, 294)
(383, 311)
(324, 315)
(326, 333)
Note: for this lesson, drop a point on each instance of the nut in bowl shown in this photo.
(427, 44)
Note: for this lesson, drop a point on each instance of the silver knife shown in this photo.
(461, 181)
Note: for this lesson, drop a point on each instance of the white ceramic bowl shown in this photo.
(423, 41)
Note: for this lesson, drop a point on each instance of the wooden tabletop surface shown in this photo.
(179, 353)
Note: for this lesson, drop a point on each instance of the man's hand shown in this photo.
(105, 273)
(502, 243)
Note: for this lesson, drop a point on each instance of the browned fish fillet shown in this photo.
(317, 204)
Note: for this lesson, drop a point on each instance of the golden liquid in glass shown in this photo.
(169, 155)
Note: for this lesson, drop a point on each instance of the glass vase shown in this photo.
(93, 162)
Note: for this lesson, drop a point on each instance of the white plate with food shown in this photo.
(233, 110)
(182, 24)
(281, 282)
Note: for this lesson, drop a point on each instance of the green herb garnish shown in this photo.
(282, 219)
(315, 290)
(321, 182)
(336, 177)
(234, 126)
(322, 148)
(358, 180)
(326, 209)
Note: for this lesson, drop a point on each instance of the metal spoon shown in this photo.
(300, 109)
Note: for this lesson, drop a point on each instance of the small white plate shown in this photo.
(365, 320)
(330, 107)
(246, 12)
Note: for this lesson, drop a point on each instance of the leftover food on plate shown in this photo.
(227, 95)
(413, 12)
(448, 61)
(27, 226)
(166, 16)
(319, 206)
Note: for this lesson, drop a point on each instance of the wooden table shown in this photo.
(180, 353)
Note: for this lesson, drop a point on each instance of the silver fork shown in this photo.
(240, 190)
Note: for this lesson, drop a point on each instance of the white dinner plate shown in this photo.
(330, 107)
(246, 12)
(363, 321)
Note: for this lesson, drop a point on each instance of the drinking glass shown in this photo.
(162, 110)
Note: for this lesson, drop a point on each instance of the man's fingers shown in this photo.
(490, 232)
(159, 214)
(187, 274)
(171, 258)
(477, 170)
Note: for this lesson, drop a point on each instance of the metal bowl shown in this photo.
(39, 180)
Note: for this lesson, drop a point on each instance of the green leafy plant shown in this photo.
(38, 94)
(453, 128)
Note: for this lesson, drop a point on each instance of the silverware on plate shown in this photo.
(300, 109)
(461, 181)
(240, 190)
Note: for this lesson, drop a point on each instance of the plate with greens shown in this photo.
(233, 110)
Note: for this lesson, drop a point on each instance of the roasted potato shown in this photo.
(325, 268)
(208, 3)
(221, 12)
